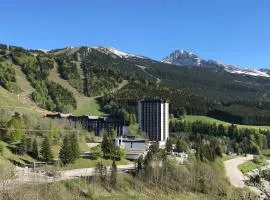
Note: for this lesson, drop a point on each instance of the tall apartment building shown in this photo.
(153, 117)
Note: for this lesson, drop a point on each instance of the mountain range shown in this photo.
(68, 79)
(185, 58)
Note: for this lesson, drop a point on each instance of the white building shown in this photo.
(153, 117)
(132, 144)
(133, 147)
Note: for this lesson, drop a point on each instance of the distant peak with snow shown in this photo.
(182, 57)
(185, 58)
(113, 51)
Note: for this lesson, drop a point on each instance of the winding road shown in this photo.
(236, 177)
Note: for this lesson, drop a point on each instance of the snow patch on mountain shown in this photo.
(182, 57)
(251, 72)
(113, 51)
(118, 53)
(185, 58)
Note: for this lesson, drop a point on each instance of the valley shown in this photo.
(97, 81)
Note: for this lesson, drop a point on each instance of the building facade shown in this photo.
(98, 125)
(153, 118)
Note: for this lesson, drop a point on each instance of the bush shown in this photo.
(96, 152)
(258, 159)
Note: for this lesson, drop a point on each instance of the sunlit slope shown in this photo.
(193, 118)
(85, 105)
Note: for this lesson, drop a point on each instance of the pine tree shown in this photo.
(65, 154)
(15, 130)
(22, 147)
(74, 148)
(35, 153)
(29, 145)
(46, 152)
(107, 146)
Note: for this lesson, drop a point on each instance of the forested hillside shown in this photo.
(97, 72)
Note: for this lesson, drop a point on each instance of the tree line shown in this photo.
(231, 138)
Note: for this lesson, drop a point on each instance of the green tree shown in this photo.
(46, 152)
(221, 130)
(35, 152)
(154, 148)
(132, 118)
(96, 152)
(15, 130)
(22, 147)
(74, 147)
(107, 146)
(181, 146)
(29, 145)
(65, 153)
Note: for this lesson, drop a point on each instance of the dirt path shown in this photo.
(236, 177)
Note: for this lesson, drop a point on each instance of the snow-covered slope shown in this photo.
(185, 58)
(251, 72)
(113, 51)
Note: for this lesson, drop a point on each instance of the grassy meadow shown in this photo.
(193, 118)
(85, 105)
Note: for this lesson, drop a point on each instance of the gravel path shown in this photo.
(235, 176)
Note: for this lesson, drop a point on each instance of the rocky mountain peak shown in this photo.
(182, 57)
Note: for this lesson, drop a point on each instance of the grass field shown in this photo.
(7, 157)
(193, 118)
(22, 81)
(85, 105)
(9, 101)
(228, 157)
(249, 166)
(266, 153)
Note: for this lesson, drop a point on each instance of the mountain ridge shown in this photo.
(183, 58)
(178, 57)
(96, 72)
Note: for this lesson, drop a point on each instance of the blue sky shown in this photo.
(231, 31)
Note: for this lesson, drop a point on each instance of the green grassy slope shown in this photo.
(22, 102)
(193, 118)
(10, 102)
(7, 157)
(85, 105)
(22, 81)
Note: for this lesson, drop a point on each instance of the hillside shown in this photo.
(205, 119)
(85, 105)
(10, 102)
(99, 80)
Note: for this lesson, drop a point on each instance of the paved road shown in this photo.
(235, 176)
(32, 178)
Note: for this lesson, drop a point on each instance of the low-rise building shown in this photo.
(133, 146)
(96, 124)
